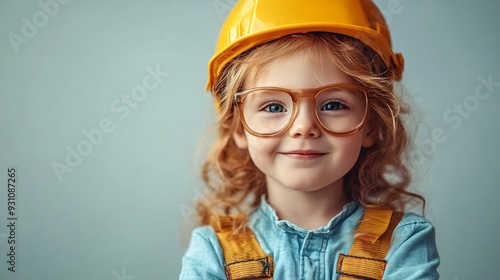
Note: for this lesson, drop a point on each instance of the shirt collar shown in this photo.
(286, 226)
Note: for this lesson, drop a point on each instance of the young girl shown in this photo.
(310, 151)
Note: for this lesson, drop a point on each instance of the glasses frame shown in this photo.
(297, 94)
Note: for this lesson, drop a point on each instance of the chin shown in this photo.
(306, 188)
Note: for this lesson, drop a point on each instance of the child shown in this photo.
(310, 151)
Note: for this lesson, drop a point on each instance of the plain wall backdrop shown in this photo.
(103, 108)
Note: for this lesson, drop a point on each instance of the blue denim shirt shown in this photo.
(312, 254)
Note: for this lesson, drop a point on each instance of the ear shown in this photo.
(370, 134)
(240, 139)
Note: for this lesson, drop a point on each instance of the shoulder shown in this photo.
(413, 224)
(204, 233)
(203, 240)
(414, 230)
(203, 258)
(413, 252)
(206, 229)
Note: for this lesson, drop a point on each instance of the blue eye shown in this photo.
(333, 106)
(274, 108)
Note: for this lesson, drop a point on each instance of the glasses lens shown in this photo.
(267, 111)
(341, 110)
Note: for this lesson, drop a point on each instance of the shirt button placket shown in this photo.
(312, 257)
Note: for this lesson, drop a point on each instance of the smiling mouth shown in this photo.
(304, 154)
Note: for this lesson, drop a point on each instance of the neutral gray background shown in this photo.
(119, 212)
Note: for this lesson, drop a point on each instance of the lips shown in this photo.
(304, 154)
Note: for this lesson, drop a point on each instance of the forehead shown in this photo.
(302, 69)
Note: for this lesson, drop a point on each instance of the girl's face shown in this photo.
(304, 158)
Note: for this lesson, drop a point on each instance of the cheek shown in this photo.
(261, 148)
(348, 148)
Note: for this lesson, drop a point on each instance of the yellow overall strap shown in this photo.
(366, 259)
(244, 257)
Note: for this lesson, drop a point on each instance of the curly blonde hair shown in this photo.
(380, 177)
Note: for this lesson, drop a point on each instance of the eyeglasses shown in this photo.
(340, 108)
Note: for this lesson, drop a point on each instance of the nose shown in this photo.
(304, 124)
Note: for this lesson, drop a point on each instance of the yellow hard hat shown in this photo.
(254, 22)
